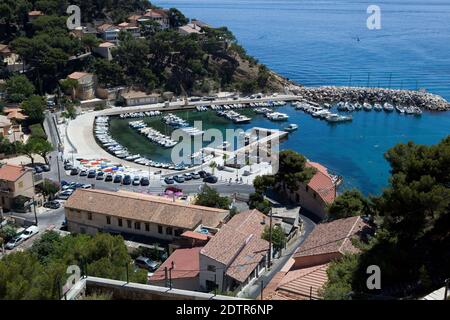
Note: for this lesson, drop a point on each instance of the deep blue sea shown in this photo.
(326, 42)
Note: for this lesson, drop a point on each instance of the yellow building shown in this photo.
(92, 211)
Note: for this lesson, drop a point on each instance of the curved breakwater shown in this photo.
(333, 94)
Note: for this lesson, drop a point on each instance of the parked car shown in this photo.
(195, 175)
(187, 176)
(29, 232)
(52, 205)
(14, 242)
(86, 186)
(174, 190)
(137, 181)
(46, 168)
(145, 182)
(38, 169)
(83, 173)
(210, 179)
(109, 177)
(74, 172)
(202, 174)
(126, 180)
(169, 180)
(92, 174)
(118, 179)
(179, 179)
(65, 194)
(100, 176)
(147, 263)
(68, 167)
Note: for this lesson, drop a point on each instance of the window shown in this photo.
(137, 225)
(82, 230)
(147, 227)
(89, 216)
(178, 232)
(211, 268)
(160, 229)
(129, 223)
(169, 230)
(119, 222)
(108, 220)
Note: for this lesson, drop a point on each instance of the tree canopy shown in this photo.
(19, 88)
(40, 272)
(412, 241)
(209, 197)
(348, 204)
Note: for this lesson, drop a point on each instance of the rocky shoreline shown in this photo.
(333, 94)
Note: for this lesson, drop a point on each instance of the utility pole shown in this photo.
(170, 275)
(262, 289)
(270, 238)
(34, 201)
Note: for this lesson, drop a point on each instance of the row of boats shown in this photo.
(101, 130)
(347, 106)
(175, 121)
(152, 134)
(129, 115)
(270, 114)
(247, 105)
(322, 112)
(234, 116)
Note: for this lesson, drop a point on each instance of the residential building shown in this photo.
(182, 269)
(11, 127)
(200, 24)
(236, 256)
(109, 32)
(137, 98)
(32, 15)
(5, 51)
(189, 29)
(319, 192)
(134, 30)
(305, 274)
(15, 182)
(86, 85)
(105, 50)
(158, 15)
(92, 211)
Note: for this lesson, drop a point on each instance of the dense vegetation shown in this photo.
(209, 197)
(164, 60)
(412, 241)
(292, 172)
(40, 272)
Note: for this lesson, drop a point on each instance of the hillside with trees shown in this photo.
(161, 60)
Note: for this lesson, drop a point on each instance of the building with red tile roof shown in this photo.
(236, 255)
(319, 192)
(305, 274)
(182, 268)
(15, 181)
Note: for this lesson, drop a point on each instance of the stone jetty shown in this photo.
(332, 94)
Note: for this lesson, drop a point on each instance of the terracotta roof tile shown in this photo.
(238, 244)
(186, 264)
(302, 284)
(9, 172)
(322, 182)
(145, 208)
(332, 237)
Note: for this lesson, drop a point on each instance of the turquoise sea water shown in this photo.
(315, 42)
